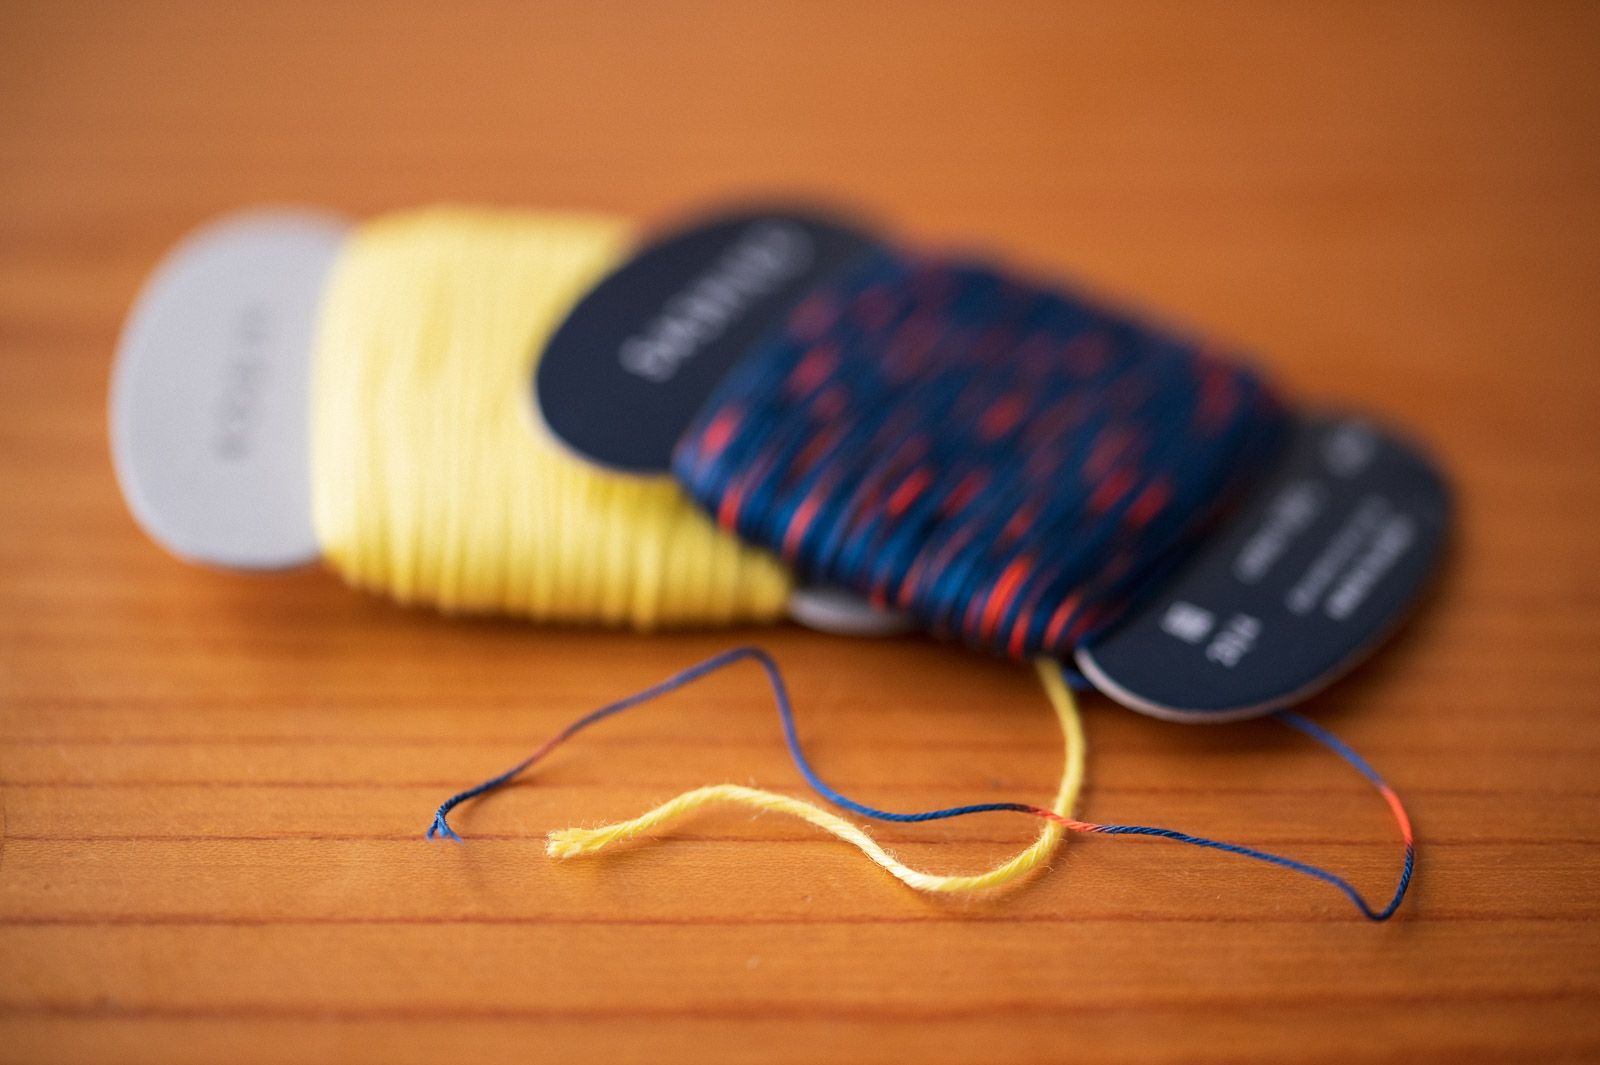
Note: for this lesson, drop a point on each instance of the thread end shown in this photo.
(569, 843)
(440, 829)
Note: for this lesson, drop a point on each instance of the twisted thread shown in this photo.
(575, 842)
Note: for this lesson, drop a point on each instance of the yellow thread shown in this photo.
(575, 842)
(430, 480)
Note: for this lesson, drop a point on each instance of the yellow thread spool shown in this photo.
(431, 477)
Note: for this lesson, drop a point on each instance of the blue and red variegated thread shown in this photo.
(1007, 464)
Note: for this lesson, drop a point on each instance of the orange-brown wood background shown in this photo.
(214, 784)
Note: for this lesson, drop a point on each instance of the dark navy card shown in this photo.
(626, 373)
(1297, 585)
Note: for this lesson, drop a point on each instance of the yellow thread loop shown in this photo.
(578, 842)
(431, 477)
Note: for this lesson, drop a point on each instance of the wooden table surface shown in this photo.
(214, 784)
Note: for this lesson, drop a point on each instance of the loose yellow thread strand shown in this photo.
(578, 842)
(432, 480)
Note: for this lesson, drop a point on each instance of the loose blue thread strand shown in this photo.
(440, 828)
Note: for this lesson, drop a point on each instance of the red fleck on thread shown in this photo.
(1004, 591)
(728, 509)
(817, 366)
(1002, 417)
(719, 432)
(912, 487)
(804, 514)
(1149, 503)
(1109, 492)
(1019, 632)
(814, 449)
(965, 491)
(1058, 620)
(1108, 446)
(1020, 523)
